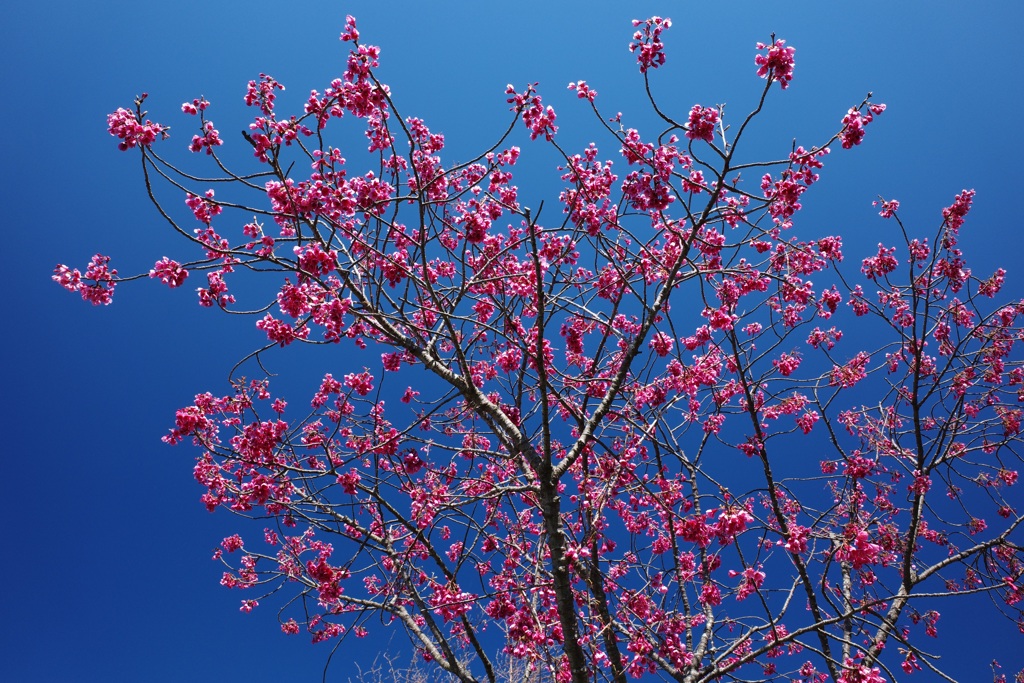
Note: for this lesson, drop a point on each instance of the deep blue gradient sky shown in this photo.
(105, 571)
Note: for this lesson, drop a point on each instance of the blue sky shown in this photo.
(106, 572)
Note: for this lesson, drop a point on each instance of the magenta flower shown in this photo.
(702, 123)
(854, 123)
(169, 272)
(647, 42)
(100, 292)
(132, 131)
(777, 64)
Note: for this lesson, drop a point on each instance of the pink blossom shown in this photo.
(910, 664)
(349, 482)
(132, 131)
(204, 208)
(889, 208)
(328, 386)
(314, 260)
(858, 550)
(751, 447)
(216, 293)
(450, 602)
(859, 673)
(848, 375)
(350, 33)
(1011, 419)
(710, 595)
(261, 94)
(919, 251)
(67, 278)
(412, 462)
(829, 300)
(294, 300)
(796, 542)
(540, 120)
(661, 343)
(281, 332)
(881, 264)
(583, 91)
(824, 338)
(232, 543)
(784, 194)
(702, 123)
(719, 318)
(731, 523)
(857, 302)
(195, 106)
(647, 42)
(752, 580)
(101, 291)
(806, 421)
(991, 286)
(713, 425)
(955, 213)
(777, 63)
(169, 272)
(360, 61)
(921, 484)
(208, 140)
(787, 363)
(852, 134)
(361, 383)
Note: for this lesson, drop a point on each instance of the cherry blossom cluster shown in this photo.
(583, 91)
(261, 94)
(208, 140)
(650, 51)
(854, 124)
(702, 123)
(954, 214)
(97, 284)
(776, 64)
(540, 120)
(169, 272)
(195, 106)
(132, 131)
(889, 208)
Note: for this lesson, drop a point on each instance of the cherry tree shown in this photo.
(617, 435)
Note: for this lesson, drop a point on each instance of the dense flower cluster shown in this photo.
(169, 272)
(208, 140)
(776, 64)
(702, 123)
(650, 51)
(132, 130)
(854, 124)
(99, 280)
(540, 120)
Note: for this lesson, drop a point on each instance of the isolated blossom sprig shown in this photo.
(650, 51)
(776, 63)
(97, 284)
(129, 127)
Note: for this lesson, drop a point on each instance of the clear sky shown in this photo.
(105, 569)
